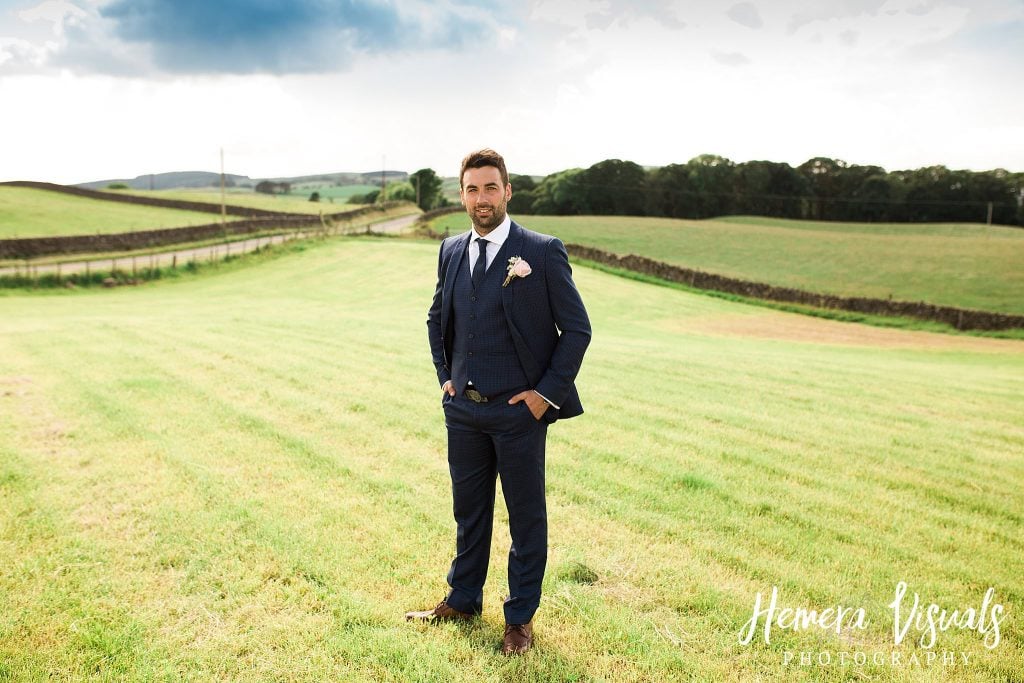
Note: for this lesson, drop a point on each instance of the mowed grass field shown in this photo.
(242, 476)
(968, 266)
(28, 212)
(337, 193)
(287, 203)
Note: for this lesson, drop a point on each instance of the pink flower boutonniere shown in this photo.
(517, 267)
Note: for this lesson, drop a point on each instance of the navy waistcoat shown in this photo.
(482, 349)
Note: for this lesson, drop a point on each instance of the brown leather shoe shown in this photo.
(518, 639)
(440, 613)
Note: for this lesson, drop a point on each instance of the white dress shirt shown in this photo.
(496, 238)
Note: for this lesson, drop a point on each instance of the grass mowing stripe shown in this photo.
(296, 395)
(261, 426)
(120, 412)
(229, 403)
(65, 560)
(266, 535)
(755, 440)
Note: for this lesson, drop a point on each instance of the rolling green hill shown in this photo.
(243, 476)
(339, 194)
(284, 203)
(968, 266)
(26, 212)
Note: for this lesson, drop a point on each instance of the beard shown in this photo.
(491, 220)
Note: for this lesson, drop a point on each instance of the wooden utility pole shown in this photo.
(417, 190)
(223, 202)
(989, 221)
(383, 163)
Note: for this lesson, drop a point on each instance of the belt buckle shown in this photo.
(475, 396)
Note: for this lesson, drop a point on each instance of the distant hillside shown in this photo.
(344, 178)
(169, 181)
(187, 179)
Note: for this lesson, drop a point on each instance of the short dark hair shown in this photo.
(480, 159)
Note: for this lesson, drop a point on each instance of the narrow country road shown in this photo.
(129, 263)
(394, 226)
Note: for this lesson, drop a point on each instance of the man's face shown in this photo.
(484, 197)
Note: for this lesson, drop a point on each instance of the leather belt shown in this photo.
(475, 396)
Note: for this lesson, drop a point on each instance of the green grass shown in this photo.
(27, 212)
(242, 476)
(450, 189)
(967, 266)
(894, 322)
(968, 230)
(340, 194)
(294, 203)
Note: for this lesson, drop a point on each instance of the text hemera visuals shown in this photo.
(909, 615)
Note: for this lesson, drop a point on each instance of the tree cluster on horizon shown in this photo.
(423, 187)
(271, 187)
(819, 189)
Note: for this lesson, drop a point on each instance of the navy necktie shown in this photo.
(481, 262)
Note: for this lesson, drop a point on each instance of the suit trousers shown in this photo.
(487, 440)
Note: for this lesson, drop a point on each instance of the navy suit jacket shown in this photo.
(544, 312)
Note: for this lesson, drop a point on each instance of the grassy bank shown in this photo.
(28, 212)
(239, 197)
(893, 322)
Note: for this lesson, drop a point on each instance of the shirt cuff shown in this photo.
(547, 400)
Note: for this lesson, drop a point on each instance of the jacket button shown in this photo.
(472, 298)
(472, 336)
(470, 353)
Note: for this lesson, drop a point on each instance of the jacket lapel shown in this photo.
(454, 263)
(514, 247)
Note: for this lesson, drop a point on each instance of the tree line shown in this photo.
(819, 189)
(423, 187)
(272, 187)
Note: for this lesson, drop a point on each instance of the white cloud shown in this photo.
(18, 55)
(730, 58)
(918, 86)
(57, 12)
(746, 14)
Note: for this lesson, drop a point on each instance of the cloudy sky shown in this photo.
(94, 89)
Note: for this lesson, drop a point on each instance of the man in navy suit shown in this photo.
(507, 331)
